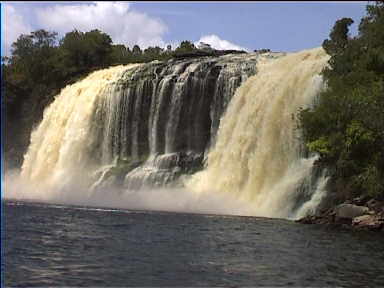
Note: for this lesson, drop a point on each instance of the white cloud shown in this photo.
(14, 26)
(124, 25)
(219, 44)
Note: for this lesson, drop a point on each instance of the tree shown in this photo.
(346, 125)
(152, 53)
(339, 37)
(28, 74)
(120, 54)
(74, 50)
(98, 48)
(31, 54)
(136, 51)
(85, 50)
(185, 46)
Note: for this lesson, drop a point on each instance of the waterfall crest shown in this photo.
(258, 156)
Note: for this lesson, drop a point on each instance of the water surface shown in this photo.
(54, 245)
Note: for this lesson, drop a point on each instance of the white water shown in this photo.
(255, 167)
(65, 154)
(258, 153)
(61, 148)
(160, 199)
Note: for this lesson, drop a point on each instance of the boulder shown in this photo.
(375, 205)
(309, 219)
(350, 211)
(371, 222)
(360, 201)
(348, 216)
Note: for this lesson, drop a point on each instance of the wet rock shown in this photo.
(350, 216)
(342, 220)
(350, 211)
(360, 201)
(310, 219)
(370, 222)
(164, 170)
(325, 217)
(375, 205)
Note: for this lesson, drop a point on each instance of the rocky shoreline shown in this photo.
(356, 214)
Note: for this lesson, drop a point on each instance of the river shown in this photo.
(61, 245)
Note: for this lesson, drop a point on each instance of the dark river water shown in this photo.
(53, 245)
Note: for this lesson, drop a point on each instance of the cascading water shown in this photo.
(258, 155)
(140, 126)
(125, 115)
(63, 147)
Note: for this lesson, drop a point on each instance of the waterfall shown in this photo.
(130, 114)
(258, 156)
(63, 147)
(147, 125)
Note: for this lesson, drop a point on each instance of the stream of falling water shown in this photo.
(258, 156)
(256, 166)
(62, 147)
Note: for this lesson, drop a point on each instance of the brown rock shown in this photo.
(371, 222)
(377, 206)
(350, 211)
(343, 220)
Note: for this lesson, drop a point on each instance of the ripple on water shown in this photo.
(67, 246)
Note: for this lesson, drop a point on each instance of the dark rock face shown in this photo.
(163, 170)
(167, 108)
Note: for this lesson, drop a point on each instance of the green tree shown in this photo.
(74, 50)
(152, 53)
(338, 37)
(98, 47)
(85, 50)
(136, 51)
(185, 46)
(120, 54)
(346, 125)
(29, 75)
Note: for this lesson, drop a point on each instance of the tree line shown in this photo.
(346, 125)
(41, 64)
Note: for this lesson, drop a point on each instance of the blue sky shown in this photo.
(279, 26)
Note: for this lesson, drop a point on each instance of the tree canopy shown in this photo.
(346, 126)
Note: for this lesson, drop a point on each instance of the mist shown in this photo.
(179, 200)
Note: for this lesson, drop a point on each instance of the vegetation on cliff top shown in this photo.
(346, 125)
